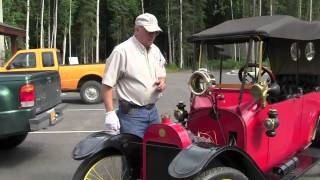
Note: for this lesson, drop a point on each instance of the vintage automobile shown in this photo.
(259, 128)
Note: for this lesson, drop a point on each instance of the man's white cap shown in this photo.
(148, 21)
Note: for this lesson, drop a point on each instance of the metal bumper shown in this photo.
(47, 118)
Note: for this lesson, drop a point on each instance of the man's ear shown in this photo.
(136, 29)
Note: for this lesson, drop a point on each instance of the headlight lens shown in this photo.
(200, 81)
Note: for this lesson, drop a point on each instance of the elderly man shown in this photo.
(136, 67)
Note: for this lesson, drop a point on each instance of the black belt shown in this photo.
(135, 106)
(148, 106)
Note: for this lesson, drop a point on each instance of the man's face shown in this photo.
(145, 38)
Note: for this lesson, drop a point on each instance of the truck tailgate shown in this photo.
(47, 89)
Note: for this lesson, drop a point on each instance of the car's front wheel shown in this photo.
(219, 173)
(103, 167)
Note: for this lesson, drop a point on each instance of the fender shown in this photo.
(127, 144)
(197, 158)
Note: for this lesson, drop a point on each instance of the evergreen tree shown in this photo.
(123, 13)
(85, 28)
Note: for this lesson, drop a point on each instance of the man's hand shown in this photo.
(112, 123)
(161, 84)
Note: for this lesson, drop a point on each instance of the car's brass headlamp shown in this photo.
(259, 91)
(200, 81)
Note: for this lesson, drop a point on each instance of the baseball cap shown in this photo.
(148, 21)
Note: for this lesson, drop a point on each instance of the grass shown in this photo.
(231, 64)
(212, 65)
(170, 68)
(226, 64)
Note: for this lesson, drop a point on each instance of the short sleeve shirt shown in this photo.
(135, 70)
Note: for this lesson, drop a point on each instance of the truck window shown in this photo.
(24, 60)
(47, 59)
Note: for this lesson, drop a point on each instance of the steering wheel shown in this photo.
(252, 77)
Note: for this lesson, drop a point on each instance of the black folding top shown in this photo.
(279, 26)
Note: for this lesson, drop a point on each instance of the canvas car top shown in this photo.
(278, 26)
(280, 33)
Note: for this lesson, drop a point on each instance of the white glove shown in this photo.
(112, 123)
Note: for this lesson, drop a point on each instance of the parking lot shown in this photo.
(46, 154)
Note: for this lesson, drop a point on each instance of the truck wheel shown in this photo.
(221, 173)
(102, 167)
(12, 141)
(90, 92)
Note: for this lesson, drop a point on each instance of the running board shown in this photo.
(306, 160)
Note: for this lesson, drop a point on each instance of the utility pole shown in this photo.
(169, 33)
(260, 8)
(271, 8)
(41, 28)
(2, 47)
(98, 32)
(27, 24)
(142, 6)
(181, 49)
(310, 19)
(234, 45)
(299, 12)
(70, 28)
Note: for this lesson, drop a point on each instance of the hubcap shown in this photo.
(91, 93)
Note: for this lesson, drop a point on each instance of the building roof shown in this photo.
(8, 30)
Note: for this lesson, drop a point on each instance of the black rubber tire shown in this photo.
(219, 173)
(88, 163)
(12, 141)
(96, 96)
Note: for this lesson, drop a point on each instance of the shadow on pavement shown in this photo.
(11, 158)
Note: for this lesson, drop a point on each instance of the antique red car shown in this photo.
(258, 128)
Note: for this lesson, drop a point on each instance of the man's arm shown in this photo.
(111, 119)
(107, 97)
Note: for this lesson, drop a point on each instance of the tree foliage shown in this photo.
(122, 20)
(117, 20)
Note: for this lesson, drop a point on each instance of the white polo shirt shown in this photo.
(135, 70)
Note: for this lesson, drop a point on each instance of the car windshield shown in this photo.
(230, 58)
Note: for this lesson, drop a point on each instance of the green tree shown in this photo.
(193, 17)
(14, 14)
(84, 28)
(123, 13)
